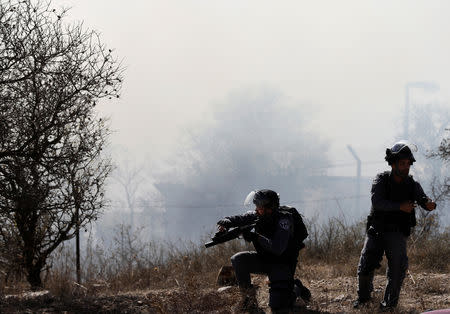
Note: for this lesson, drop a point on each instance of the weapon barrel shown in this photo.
(210, 243)
(227, 236)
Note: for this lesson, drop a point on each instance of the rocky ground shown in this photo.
(421, 292)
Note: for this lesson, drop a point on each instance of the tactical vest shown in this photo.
(267, 228)
(300, 231)
(394, 220)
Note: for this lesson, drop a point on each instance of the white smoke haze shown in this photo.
(327, 73)
(255, 140)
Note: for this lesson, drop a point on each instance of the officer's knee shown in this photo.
(398, 262)
(367, 267)
(236, 259)
(368, 263)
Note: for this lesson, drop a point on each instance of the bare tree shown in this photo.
(442, 189)
(52, 166)
(129, 178)
(132, 194)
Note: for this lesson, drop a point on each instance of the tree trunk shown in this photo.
(34, 275)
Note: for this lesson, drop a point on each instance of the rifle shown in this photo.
(224, 236)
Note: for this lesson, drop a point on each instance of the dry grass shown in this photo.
(432, 253)
(166, 278)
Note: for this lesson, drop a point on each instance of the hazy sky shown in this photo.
(348, 61)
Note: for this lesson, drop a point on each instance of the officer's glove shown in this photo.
(249, 236)
(226, 223)
(223, 225)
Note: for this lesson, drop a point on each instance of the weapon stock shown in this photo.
(221, 237)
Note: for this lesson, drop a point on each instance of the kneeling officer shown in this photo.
(276, 246)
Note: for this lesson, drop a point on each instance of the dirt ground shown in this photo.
(421, 292)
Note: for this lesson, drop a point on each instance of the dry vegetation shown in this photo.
(132, 276)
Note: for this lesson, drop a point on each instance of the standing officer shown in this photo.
(394, 197)
(276, 251)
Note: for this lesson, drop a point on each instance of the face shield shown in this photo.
(262, 198)
(248, 202)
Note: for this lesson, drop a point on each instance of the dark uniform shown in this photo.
(276, 255)
(387, 230)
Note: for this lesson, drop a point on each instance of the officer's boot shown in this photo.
(248, 302)
(301, 291)
(365, 287)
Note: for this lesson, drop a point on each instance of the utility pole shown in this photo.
(358, 176)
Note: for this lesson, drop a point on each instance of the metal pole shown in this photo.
(358, 176)
(77, 250)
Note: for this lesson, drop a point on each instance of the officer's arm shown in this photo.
(379, 197)
(278, 244)
(422, 199)
(238, 220)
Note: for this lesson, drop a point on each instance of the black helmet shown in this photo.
(400, 150)
(263, 198)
